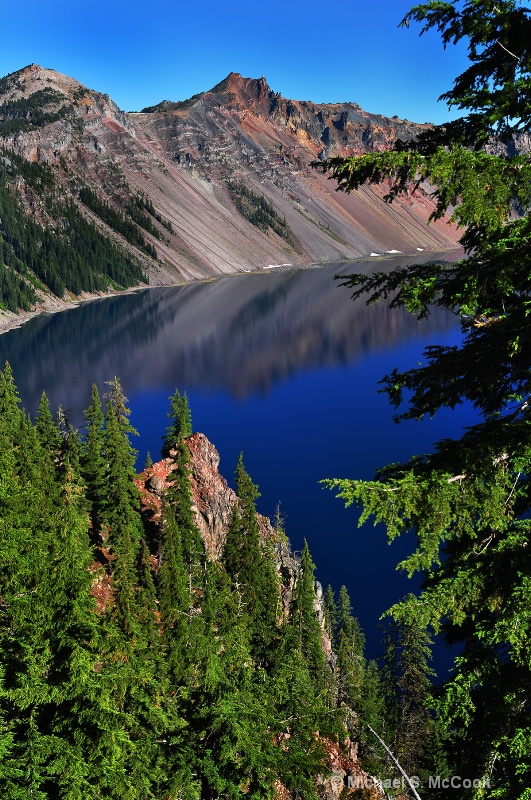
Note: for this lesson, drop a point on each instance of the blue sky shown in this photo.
(140, 53)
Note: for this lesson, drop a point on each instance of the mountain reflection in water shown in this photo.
(240, 334)
(281, 365)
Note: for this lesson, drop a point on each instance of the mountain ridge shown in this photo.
(218, 183)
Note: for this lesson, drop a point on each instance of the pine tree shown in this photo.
(182, 567)
(304, 620)
(47, 429)
(350, 663)
(469, 501)
(330, 612)
(330, 625)
(93, 461)
(181, 422)
(372, 711)
(130, 670)
(121, 506)
(409, 692)
(253, 574)
(299, 718)
(49, 692)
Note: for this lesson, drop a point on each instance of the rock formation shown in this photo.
(213, 503)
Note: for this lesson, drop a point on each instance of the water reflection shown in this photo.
(240, 334)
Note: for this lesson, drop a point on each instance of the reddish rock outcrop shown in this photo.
(213, 501)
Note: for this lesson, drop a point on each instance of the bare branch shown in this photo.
(518, 58)
(457, 478)
(395, 761)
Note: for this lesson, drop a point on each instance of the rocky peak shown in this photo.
(34, 78)
(213, 503)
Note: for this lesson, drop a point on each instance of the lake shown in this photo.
(282, 365)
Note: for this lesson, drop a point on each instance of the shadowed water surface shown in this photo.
(281, 365)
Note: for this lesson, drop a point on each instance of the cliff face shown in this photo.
(213, 503)
(209, 164)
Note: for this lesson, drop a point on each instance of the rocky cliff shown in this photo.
(225, 176)
(213, 503)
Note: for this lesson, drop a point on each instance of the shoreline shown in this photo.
(53, 305)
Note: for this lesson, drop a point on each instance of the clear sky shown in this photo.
(143, 52)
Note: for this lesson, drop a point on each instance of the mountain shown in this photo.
(216, 184)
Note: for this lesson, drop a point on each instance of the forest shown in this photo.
(69, 254)
(134, 666)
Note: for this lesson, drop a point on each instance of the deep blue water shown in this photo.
(282, 366)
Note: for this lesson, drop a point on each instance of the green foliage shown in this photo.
(10, 82)
(93, 466)
(36, 111)
(120, 506)
(304, 621)
(135, 208)
(259, 211)
(118, 222)
(181, 576)
(468, 503)
(350, 643)
(181, 422)
(130, 665)
(407, 677)
(251, 570)
(74, 256)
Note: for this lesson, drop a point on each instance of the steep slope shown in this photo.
(217, 184)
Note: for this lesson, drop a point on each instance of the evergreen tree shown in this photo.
(121, 506)
(93, 460)
(300, 718)
(253, 574)
(373, 711)
(469, 501)
(10, 412)
(304, 620)
(409, 694)
(330, 624)
(181, 422)
(350, 664)
(330, 612)
(235, 747)
(182, 568)
(47, 429)
(48, 693)
(130, 671)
